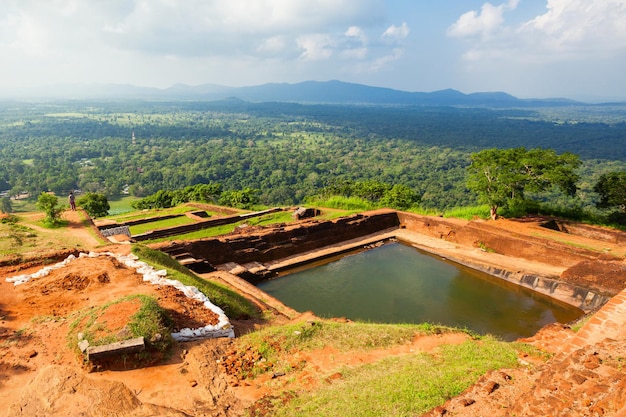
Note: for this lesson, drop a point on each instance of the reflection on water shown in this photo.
(396, 283)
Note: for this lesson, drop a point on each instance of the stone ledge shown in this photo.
(135, 345)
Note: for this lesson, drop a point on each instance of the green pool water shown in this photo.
(396, 283)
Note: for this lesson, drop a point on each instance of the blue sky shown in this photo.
(529, 48)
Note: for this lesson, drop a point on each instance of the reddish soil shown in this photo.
(41, 373)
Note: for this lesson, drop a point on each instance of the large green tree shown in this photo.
(500, 175)
(612, 190)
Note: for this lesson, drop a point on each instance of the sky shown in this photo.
(528, 48)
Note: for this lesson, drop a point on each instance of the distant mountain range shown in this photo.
(321, 92)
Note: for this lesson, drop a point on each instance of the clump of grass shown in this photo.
(526, 349)
(234, 305)
(581, 322)
(469, 213)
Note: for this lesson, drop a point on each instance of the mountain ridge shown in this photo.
(305, 92)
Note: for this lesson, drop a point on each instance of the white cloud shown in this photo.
(396, 33)
(569, 29)
(316, 47)
(223, 26)
(357, 33)
(579, 26)
(488, 21)
(573, 45)
(193, 41)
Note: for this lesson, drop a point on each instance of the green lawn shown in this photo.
(160, 224)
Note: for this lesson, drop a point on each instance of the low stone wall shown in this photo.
(279, 242)
(574, 295)
(203, 224)
(512, 245)
(272, 244)
(508, 243)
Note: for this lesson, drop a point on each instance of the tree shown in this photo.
(48, 204)
(96, 205)
(243, 199)
(5, 205)
(612, 190)
(500, 175)
(400, 197)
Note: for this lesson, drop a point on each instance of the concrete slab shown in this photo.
(95, 353)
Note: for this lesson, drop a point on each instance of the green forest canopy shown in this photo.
(286, 151)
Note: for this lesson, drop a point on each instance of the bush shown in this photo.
(48, 204)
(96, 205)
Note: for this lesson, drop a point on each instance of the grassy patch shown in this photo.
(581, 322)
(150, 322)
(276, 344)
(343, 203)
(468, 213)
(14, 235)
(23, 236)
(234, 305)
(24, 205)
(133, 214)
(266, 220)
(160, 224)
(121, 205)
(403, 385)
(342, 336)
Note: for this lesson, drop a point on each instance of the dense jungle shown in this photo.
(289, 151)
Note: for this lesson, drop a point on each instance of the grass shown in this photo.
(133, 214)
(581, 322)
(566, 242)
(160, 224)
(24, 205)
(275, 344)
(468, 213)
(354, 204)
(121, 205)
(234, 305)
(150, 322)
(276, 341)
(24, 235)
(402, 386)
(266, 220)
(344, 337)
(14, 235)
(395, 386)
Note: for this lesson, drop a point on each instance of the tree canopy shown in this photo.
(612, 190)
(96, 205)
(501, 175)
(286, 151)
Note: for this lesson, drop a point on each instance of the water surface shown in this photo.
(396, 283)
